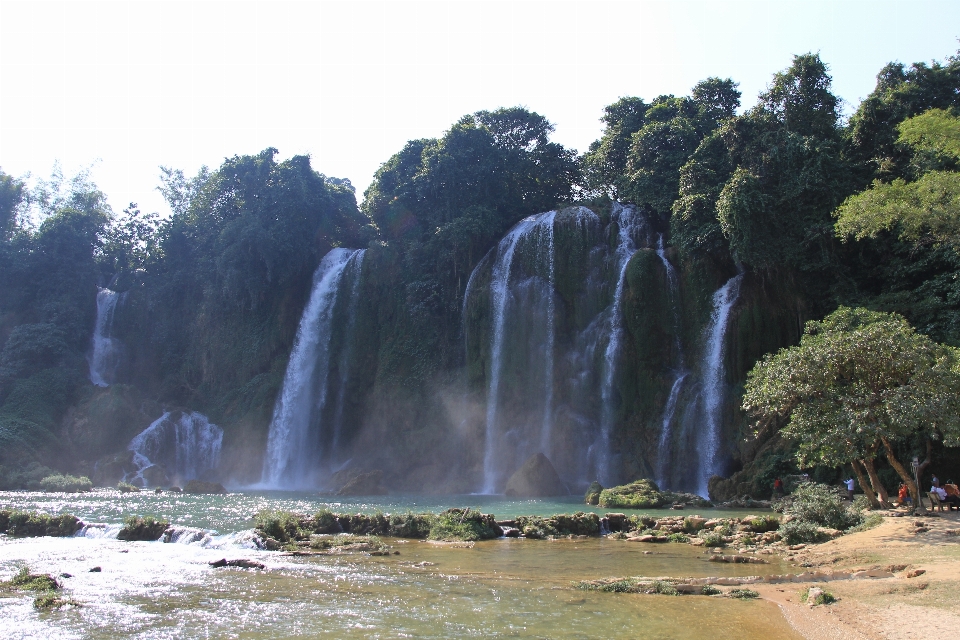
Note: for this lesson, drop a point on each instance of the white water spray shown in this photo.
(499, 294)
(105, 349)
(546, 432)
(628, 222)
(186, 445)
(714, 378)
(293, 442)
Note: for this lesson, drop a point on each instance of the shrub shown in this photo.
(820, 504)
(126, 487)
(743, 594)
(677, 537)
(710, 590)
(146, 529)
(712, 538)
(282, 526)
(763, 524)
(464, 524)
(662, 588)
(411, 525)
(66, 483)
(325, 521)
(798, 531)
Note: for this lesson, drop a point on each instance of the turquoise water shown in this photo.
(235, 511)
(499, 588)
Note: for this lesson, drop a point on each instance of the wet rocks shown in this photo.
(240, 563)
(28, 524)
(144, 529)
(592, 496)
(537, 478)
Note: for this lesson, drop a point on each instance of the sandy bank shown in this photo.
(904, 606)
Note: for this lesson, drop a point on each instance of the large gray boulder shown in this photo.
(536, 479)
(364, 484)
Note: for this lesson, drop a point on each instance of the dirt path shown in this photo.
(904, 606)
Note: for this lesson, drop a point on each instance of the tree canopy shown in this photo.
(859, 380)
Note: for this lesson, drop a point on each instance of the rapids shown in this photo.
(507, 587)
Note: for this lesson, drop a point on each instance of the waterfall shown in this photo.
(105, 349)
(356, 263)
(546, 229)
(294, 443)
(186, 445)
(663, 450)
(714, 378)
(628, 222)
(499, 293)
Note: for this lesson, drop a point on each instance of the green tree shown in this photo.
(858, 382)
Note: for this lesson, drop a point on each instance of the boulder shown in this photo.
(200, 486)
(155, 476)
(364, 484)
(593, 493)
(537, 478)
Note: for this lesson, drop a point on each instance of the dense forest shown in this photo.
(814, 210)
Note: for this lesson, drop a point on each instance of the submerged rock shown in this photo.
(537, 478)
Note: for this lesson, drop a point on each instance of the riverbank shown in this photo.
(916, 597)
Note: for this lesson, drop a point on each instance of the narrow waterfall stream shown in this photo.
(104, 351)
(545, 226)
(499, 293)
(179, 445)
(670, 409)
(629, 222)
(295, 442)
(714, 379)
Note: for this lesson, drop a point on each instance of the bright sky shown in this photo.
(129, 86)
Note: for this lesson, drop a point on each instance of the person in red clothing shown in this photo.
(777, 489)
(903, 495)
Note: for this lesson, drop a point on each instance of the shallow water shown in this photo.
(498, 588)
(235, 511)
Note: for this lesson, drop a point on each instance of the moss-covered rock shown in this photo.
(146, 529)
(578, 524)
(645, 494)
(537, 478)
(27, 524)
(592, 496)
(464, 524)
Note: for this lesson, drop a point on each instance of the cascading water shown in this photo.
(546, 231)
(105, 349)
(185, 445)
(296, 436)
(499, 293)
(670, 409)
(629, 222)
(714, 379)
(355, 264)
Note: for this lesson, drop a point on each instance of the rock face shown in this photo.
(536, 479)
(593, 493)
(364, 484)
(155, 476)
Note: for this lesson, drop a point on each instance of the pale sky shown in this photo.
(129, 86)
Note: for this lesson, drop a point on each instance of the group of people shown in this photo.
(949, 493)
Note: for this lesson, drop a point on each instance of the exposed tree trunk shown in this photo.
(926, 461)
(867, 491)
(902, 471)
(878, 487)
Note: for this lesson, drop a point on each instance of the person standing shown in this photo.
(849, 483)
(777, 489)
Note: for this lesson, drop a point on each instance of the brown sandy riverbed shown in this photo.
(924, 606)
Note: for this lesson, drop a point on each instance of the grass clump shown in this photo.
(66, 483)
(743, 594)
(464, 524)
(678, 537)
(23, 580)
(763, 524)
(146, 529)
(710, 590)
(126, 487)
(819, 596)
(712, 538)
(51, 601)
(282, 526)
(411, 525)
(28, 524)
